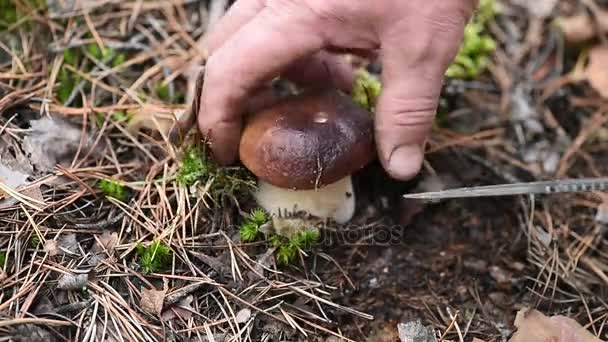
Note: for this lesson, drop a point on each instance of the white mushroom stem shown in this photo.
(335, 201)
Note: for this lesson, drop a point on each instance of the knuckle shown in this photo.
(410, 113)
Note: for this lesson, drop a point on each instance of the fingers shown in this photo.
(412, 78)
(241, 12)
(322, 69)
(256, 53)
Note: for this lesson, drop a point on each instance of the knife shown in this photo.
(511, 189)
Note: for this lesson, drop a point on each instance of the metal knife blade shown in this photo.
(540, 187)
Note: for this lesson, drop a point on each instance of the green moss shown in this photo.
(474, 54)
(155, 257)
(366, 90)
(113, 188)
(250, 228)
(163, 92)
(11, 14)
(2, 259)
(196, 167)
(35, 240)
(287, 249)
(76, 57)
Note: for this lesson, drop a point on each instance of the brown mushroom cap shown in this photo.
(308, 140)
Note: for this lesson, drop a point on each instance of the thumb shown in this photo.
(412, 77)
(404, 117)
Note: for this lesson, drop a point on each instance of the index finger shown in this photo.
(267, 44)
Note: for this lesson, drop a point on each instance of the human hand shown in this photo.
(259, 39)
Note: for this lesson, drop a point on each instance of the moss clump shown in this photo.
(155, 257)
(287, 248)
(114, 189)
(297, 234)
(35, 240)
(196, 167)
(366, 90)
(2, 259)
(250, 228)
(77, 58)
(474, 54)
(10, 13)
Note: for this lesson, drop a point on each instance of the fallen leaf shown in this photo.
(182, 310)
(51, 141)
(73, 281)
(155, 117)
(243, 315)
(63, 8)
(68, 244)
(152, 300)
(51, 247)
(14, 180)
(104, 243)
(532, 325)
(415, 331)
(595, 72)
(538, 8)
(581, 27)
(601, 216)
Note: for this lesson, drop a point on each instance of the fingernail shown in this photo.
(405, 161)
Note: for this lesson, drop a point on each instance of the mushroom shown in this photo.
(304, 150)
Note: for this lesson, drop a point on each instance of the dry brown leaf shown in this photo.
(596, 71)
(155, 117)
(182, 310)
(538, 8)
(104, 243)
(51, 247)
(51, 141)
(243, 315)
(73, 281)
(532, 325)
(581, 27)
(68, 244)
(601, 215)
(152, 300)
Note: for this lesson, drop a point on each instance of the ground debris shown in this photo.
(601, 215)
(582, 27)
(104, 243)
(51, 140)
(152, 300)
(182, 310)
(73, 281)
(538, 8)
(532, 325)
(414, 331)
(31, 333)
(596, 69)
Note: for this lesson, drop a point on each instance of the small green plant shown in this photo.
(366, 90)
(250, 228)
(113, 188)
(155, 257)
(10, 13)
(163, 92)
(287, 248)
(76, 58)
(2, 259)
(35, 240)
(474, 54)
(197, 167)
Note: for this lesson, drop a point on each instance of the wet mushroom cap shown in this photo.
(308, 140)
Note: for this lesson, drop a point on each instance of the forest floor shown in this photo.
(109, 231)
